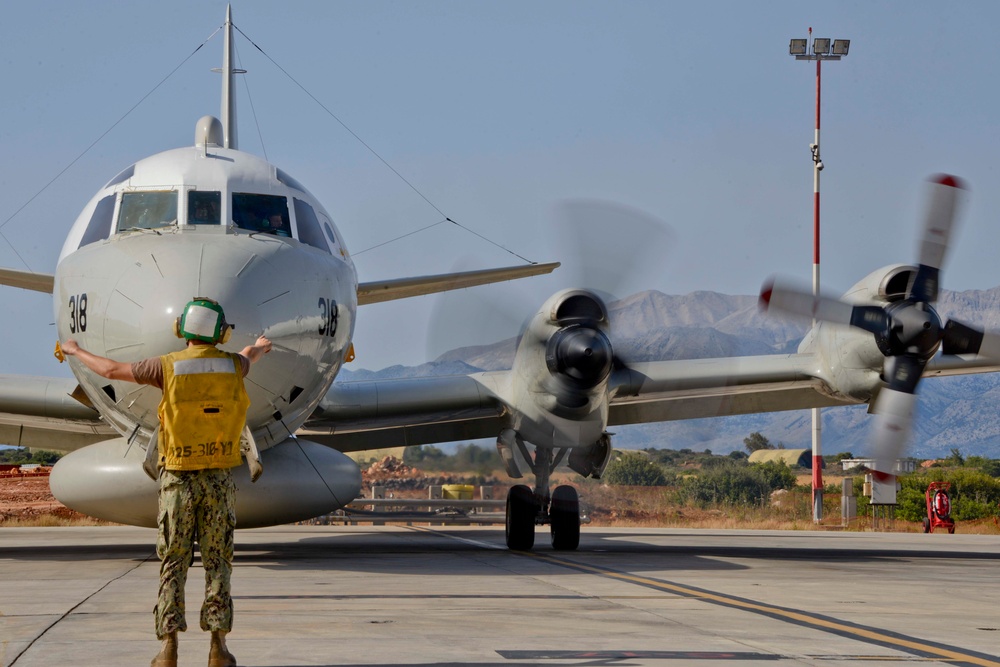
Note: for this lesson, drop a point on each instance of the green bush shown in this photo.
(633, 469)
(20, 455)
(974, 494)
(989, 466)
(912, 505)
(418, 454)
(737, 484)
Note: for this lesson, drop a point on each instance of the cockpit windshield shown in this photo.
(204, 208)
(261, 213)
(147, 210)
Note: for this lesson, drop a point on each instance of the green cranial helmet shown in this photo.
(203, 319)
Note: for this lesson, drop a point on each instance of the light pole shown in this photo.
(821, 50)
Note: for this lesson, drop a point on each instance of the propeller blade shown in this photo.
(608, 247)
(894, 410)
(793, 300)
(893, 422)
(962, 339)
(938, 225)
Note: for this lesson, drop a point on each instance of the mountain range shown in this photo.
(953, 413)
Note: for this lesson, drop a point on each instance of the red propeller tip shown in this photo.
(950, 181)
(881, 476)
(765, 295)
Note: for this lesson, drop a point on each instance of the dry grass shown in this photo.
(652, 507)
(52, 520)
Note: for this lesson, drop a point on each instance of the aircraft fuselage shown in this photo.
(218, 223)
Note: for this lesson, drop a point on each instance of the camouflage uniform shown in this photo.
(195, 504)
(197, 493)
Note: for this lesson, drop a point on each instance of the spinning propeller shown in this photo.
(606, 249)
(907, 331)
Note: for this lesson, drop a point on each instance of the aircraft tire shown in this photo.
(564, 515)
(521, 512)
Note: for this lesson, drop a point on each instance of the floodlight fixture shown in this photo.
(841, 47)
(797, 47)
(821, 46)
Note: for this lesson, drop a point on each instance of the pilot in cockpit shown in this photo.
(275, 224)
(206, 212)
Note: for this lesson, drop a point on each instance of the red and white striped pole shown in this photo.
(817, 419)
(820, 51)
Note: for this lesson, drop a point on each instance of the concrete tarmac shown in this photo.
(360, 595)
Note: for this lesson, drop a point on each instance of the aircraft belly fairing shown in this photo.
(303, 480)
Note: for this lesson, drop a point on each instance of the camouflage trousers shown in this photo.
(195, 505)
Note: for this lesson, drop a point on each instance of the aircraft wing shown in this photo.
(368, 292)
(696, 388)
(39, 282)
(376, 414)
(41, 412)
(403, 288)
(952, 364)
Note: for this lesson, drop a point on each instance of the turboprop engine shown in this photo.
(561, 371)
(906, 328)
(852, 362)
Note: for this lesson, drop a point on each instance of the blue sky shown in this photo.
(498, 111)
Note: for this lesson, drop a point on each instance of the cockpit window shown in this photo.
(147, 210)
(309, 229)
(329, 232)
(99, 227)
(261, 213)
(204, 208)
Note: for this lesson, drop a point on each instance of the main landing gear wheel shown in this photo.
(522, 509)
(564, 515)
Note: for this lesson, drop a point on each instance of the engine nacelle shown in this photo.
(882, 286)
(565, 356)
(852, 359)
(301, 480)
(558, 391)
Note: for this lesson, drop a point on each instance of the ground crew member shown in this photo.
(202, 414)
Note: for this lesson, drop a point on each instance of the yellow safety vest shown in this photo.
(203, 410)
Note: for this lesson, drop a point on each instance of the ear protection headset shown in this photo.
(203, 319)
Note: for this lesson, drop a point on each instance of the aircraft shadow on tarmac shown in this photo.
(388, 552)
(584, 662)
(82, 552)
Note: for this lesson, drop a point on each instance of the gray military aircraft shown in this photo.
(210, 220)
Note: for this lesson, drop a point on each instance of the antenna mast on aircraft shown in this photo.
(228, 79)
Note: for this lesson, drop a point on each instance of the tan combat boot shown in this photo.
(167, 657)
(218, 654)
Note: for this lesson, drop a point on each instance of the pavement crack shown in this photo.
(77, 606)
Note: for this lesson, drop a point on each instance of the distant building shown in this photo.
(902, 466)
(790, 457)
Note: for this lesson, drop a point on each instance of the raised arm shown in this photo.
(109, 368)
(257, 350)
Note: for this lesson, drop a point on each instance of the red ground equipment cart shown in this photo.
(938, 508)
